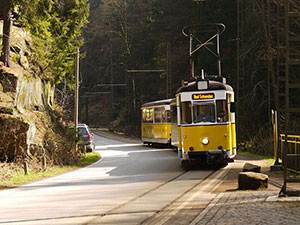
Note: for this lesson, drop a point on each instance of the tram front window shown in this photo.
(203, 112)
(186, 115)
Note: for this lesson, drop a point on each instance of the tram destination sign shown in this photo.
(203, 96)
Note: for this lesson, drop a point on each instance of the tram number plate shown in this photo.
(203, 96)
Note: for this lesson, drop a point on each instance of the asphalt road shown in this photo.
(129, 185)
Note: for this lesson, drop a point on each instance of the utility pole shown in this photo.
(111, 81)
(169, 76)
(76, 94)
(86, 109)
(238, 68)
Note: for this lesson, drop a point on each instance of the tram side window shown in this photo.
(186, 113)
(158, 114)
(222, 111)
(166, 116)
(147, 115)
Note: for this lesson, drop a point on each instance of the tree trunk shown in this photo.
(6, 35)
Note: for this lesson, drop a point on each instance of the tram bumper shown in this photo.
(218, 156)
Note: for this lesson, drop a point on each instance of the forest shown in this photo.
(260, 44)
(147, 35)
(129, 35)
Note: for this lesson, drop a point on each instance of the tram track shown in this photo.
(158, 212)
(175, 200)
(158, 201)
(111, 211)
(202, 187)
(106, 134)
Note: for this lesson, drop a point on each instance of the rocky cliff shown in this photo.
(24, 101)
(29, 122)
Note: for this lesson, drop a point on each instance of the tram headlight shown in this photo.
(205, 141)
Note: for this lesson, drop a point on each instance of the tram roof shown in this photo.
(158, 102)
(212, 85)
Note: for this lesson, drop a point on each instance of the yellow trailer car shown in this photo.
(156, 122)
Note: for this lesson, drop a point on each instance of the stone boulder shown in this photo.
(248, 167)
(252, 181)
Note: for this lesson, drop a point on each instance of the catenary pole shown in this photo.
(76, 93)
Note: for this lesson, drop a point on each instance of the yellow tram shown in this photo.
(206, 121)
(156, 122)
(200, 121)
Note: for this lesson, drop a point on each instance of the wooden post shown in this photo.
(275, 135)
(26, 168)
(44, 162)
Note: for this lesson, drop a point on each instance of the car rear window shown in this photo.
(82, 131)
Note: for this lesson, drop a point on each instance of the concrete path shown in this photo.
(231, 206)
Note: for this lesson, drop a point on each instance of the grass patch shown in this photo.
(268, 159)
(88, 159)
(19, 178)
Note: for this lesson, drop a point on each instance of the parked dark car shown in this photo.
(86, 137)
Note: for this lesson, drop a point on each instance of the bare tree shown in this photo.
(5, 14)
